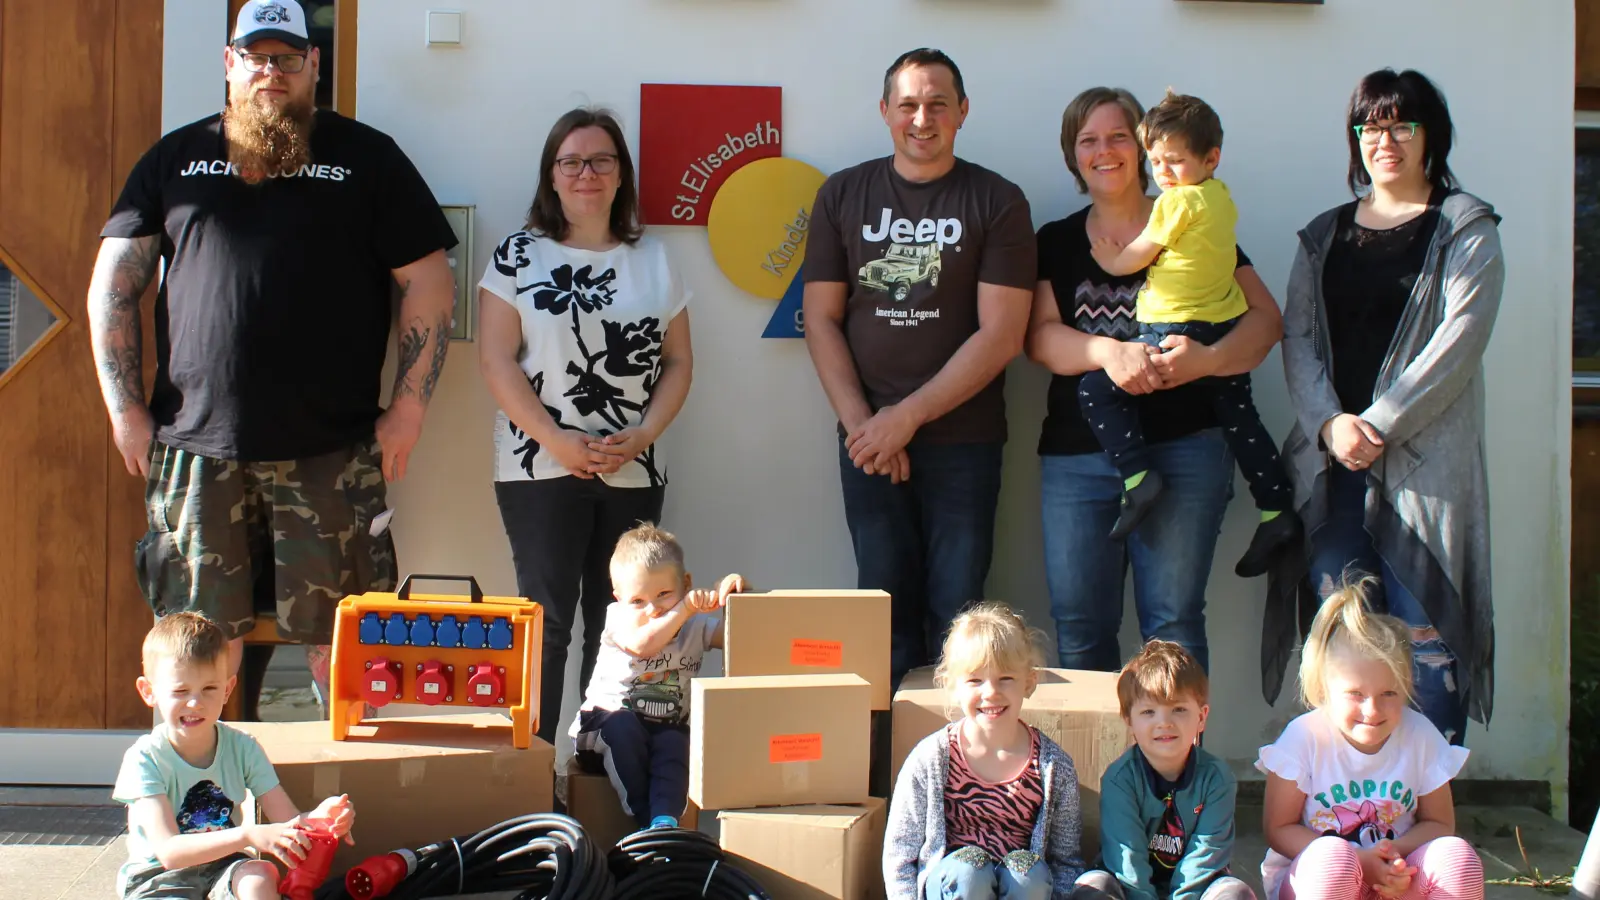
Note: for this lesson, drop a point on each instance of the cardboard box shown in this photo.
(776, 740)
(593, 801)
(811, 633)
(810, 852)
(413, 781)
(1078, 710)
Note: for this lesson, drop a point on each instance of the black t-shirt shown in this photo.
(1101, 304)
(1366, 284)
(273, 318)
(913, 254)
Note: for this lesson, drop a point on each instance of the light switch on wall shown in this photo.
(444, 27)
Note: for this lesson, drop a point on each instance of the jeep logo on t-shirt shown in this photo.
(902, 231)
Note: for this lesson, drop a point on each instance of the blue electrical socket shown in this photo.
(448, 634)
(394, 631)
(472, 636)
(371, 630)
(422, 631)
(499, 634)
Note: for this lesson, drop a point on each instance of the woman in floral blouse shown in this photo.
(585, 345)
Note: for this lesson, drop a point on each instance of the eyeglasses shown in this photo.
(287, 63)
(573, 166)
(1399, 132)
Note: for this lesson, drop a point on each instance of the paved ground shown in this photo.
(40, 871)
(78, 850)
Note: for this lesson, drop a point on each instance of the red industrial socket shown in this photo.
(380, 683)
(486, 685)
(433, 683)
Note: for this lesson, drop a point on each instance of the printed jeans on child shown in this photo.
(1114, 415)
(970, 873)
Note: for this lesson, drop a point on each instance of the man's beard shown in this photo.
(265, 140)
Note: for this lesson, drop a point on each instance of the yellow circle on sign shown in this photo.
(759, 221)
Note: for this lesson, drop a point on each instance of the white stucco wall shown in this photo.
(754, 478)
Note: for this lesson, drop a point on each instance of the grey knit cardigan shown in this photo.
(1428, 494)
(915, 840)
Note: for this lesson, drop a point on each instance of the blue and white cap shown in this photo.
(261, 20)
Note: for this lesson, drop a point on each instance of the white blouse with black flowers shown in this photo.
(592, 327)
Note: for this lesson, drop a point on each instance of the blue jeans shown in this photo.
(927, 541)
(1343, 541)
(1170, 552)
(972, 874)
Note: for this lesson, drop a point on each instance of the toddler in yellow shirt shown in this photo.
(1189, 248)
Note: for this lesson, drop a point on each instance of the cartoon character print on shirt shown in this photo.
(656, 697)
(1361, 812)
(630, 349)
(913, 257)
(205, 808)
(1166, 845)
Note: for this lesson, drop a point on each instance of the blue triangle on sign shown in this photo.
(786, 321)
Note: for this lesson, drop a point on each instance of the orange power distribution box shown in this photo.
(440, 650)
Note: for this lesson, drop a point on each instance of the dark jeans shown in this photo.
(926, 541)
(562, 532)
(647, 762)
(1170, 553)
(1115, 416)
(1343, 542)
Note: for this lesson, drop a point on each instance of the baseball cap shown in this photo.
(261, 20)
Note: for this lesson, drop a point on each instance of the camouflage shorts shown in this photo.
(229, 538)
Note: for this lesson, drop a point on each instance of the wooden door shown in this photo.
(80, 101)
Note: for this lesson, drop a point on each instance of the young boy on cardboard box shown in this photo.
(633, 724)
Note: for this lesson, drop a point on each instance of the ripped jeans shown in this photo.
(1343, 541)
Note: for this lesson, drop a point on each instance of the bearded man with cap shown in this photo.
(283, 230)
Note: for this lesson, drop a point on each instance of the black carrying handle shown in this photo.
(405, 585)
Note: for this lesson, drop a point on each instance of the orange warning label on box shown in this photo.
(804, 652)
(787, 748)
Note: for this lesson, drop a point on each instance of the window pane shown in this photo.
(320, 18)
(24, 319)
(1586, 253)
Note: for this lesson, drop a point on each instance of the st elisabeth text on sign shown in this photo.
(693, 136)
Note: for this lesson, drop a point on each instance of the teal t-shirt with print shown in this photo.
(202, 799)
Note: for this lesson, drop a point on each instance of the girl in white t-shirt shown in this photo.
(1358, 798)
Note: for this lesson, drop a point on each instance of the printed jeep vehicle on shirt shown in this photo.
(902, 266)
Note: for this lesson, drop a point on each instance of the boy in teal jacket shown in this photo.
(1166, 806)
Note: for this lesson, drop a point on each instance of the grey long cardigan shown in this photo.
(1427, 495)
(915, 839)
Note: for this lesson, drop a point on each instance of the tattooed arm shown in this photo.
(122, 271)
(427, 296)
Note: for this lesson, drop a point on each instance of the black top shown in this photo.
(1366, 284)
(1098, 303)
(913, 255)
(274, 315)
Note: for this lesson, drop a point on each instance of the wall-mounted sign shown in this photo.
(758, 226)
(693, 136)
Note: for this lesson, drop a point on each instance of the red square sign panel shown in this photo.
(693, 136)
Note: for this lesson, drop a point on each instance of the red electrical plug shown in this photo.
(304, 879)
(378, 875)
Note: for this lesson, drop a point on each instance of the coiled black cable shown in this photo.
(676, 862)
(543, 856)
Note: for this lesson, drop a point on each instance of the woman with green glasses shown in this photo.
(1391, 302)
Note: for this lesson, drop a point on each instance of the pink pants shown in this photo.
(1447, 869)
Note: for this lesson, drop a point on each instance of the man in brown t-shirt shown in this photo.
(919, 271)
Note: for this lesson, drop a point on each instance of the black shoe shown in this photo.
(1136, 504)
(1269, 539)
